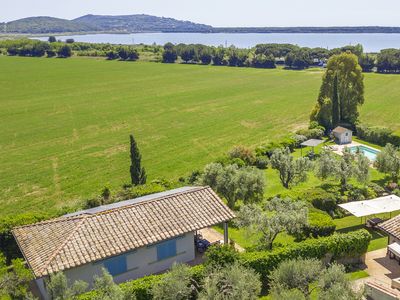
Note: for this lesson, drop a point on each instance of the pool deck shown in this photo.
(338, 149)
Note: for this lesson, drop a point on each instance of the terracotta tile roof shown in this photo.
(391, 226)
(68, 242)
(340, 129)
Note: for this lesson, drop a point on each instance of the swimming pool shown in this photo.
(367, 151)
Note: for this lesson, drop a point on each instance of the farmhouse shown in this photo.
(342, 135)
(130, 239)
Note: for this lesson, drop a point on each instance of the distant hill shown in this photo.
(93, 23)
(147, 23)
(37, 25)
(138, 23)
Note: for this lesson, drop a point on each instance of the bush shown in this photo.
(319, 224)
(8, 244)
(337, 246)
(261, 162)
(219, 256)
(243, 153)
(376, 188)
(142, 287)
(377, 135)
(299, 139)
(194, 176)
(314, 133)
(94, 202)
(268, 149)
(321, 199)
(64, 52)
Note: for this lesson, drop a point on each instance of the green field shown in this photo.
(65, 123)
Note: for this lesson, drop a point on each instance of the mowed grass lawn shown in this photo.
(65, 124)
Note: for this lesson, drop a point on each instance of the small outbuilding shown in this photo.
(342, 135)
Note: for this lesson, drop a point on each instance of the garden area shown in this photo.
(286, 199)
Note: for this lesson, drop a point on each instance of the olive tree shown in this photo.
(106, 289)
(235, 183)
(60, 289)
(362, 172)
(334, 284)
(388, 161)
(277, 215)
(14, 279)
(176, 284)
(327, 165)
(297, 279)
(344, 168)
(291, 171)
(234, 282)
(295, 275)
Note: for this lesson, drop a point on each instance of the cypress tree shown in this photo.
(138, 173)
(335, 103)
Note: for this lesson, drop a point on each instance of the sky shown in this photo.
(221, 12)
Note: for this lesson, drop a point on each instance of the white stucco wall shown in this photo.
(140, 262)
(342, 138)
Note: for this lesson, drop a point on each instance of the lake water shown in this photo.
(372, 42)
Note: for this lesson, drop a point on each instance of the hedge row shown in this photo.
(378, 135)
(8, 246)
(337, 246)
(142, 287)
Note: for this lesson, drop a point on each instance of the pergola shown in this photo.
(311, 143)
(386, 204)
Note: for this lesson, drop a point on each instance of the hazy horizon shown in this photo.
(222, 13)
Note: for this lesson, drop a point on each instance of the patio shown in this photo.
(382, 270)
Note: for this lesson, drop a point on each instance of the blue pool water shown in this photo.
(368, 152)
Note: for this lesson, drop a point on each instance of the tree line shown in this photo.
(53, 48)
(261, 56)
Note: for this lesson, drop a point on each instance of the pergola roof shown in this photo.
(312, 143)
(371, 207)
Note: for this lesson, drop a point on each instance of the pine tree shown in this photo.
(138, 173)
(335, 103)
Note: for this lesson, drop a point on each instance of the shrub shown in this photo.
(194, 176)
(392, 186)
(268, 149)
(299, 139)
(142, 287)
(93, 202)
(243, 153)
(357, 193)
(64, 52)
(338, 246)
(219, 256)
(7, 242)
(377, 135)
(321, 199)
(378, 190)
(315, 133)
(319, 224)
(51, 53)
(261, 162)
